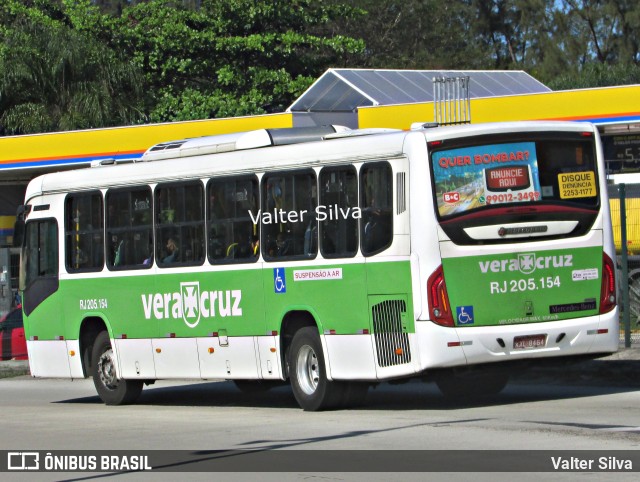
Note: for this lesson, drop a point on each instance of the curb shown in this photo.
(620, 368)
(14, 368)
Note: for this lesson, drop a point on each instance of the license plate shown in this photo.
(529, 341)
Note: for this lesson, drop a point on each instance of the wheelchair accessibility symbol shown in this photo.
(465, 315)
(279, 281)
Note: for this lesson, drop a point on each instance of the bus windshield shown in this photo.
(489, 172)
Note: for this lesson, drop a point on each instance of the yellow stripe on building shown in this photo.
(124, 140)
(586, 104)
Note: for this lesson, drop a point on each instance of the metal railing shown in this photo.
(625, 220)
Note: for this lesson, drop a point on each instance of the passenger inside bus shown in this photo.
(282, 245)
(172, 250)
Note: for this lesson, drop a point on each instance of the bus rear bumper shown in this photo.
(595, 335)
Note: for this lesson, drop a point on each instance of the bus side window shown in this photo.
(232, 208)
(338, 214)
(179, 224)
(376, 202)
(84, 227)
(289, 224)
(129, 227)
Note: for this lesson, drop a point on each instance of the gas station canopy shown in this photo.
(344, 90)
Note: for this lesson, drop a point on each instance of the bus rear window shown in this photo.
(478, 174)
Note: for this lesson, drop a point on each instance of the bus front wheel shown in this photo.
(308, 375)
(112, 391)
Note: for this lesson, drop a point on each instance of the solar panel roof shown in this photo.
(344, 90)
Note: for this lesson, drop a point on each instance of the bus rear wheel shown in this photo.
(308, 375)
(112, 391)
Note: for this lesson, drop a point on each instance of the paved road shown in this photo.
(590, 405)
(67, 415)
(62, 414)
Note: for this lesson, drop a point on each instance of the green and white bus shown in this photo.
(330, 258)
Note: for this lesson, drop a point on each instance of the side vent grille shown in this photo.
(392, 343)
(401, 193)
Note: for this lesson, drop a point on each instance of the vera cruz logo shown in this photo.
(526, 263)
(191, 304)
(190, 292)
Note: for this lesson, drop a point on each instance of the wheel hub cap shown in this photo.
(307, 370)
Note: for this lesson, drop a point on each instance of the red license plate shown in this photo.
(529, 341)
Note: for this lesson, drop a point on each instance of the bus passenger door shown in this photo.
(44, 326)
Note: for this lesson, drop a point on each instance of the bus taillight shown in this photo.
(439, 308)
(608, 289)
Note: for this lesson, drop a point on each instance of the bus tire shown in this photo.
(112, 391)
(308, 375)
(471, 385)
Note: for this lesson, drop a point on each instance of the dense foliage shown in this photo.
(72, 64)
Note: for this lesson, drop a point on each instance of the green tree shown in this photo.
(226, 58)
(609, 29)
(414, 34)
(159, 60)
(591, 30)
(558, 42)
(55, 78)
(598, 42)
(595, 74)
(518, 33)
(68, 64)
